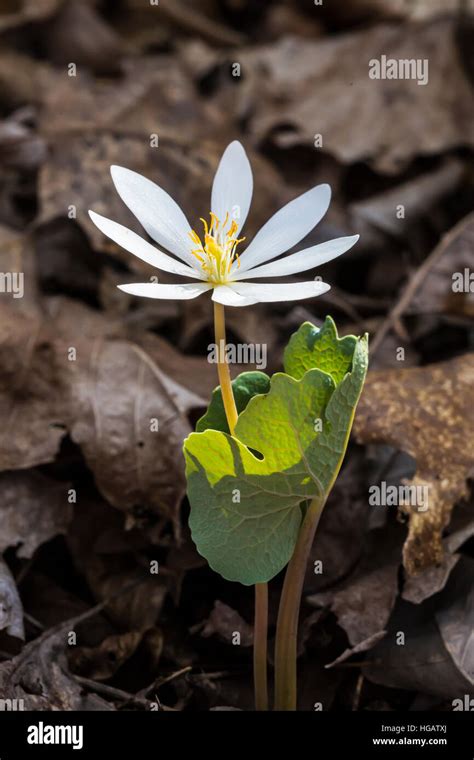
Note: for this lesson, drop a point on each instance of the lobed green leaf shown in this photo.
(246, 490)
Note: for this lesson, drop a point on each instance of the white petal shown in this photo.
(157, 290)
(135, 244)
(302, 260)
(156, 211)
(233, 185)
(287, 227)
(229, 297)
(287, 291)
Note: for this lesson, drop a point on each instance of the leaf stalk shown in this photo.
(288, 613)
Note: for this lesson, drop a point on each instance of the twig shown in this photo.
(167, 679)
(114, 693)
(110, 691)
(211, 676)
(36, 623)
(163, 680)
(414, 283)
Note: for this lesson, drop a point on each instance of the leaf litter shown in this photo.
(90, 494)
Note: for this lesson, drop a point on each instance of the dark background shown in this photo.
(89, 496)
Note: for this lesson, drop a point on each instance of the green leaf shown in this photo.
(245, 511)
(245, 386)
(313, 347)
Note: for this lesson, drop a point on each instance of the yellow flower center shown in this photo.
(218, 252)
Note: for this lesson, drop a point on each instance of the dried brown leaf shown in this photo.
(31, 393)
(109, 395)
(127, 425)
(26, 12)
(428, 413)
(33, 509)
(11, 609)
(444, 290)
(107, 557)
(435, 655)
(101, 662)
(77, 33)
(455, 619)
(225, 622)
(363, 603)
(40, 676)
(386, 122)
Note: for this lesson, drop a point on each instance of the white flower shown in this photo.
(214, 261)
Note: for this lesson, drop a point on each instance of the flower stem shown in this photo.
(261, 589)
(288, 613)
(223, 368)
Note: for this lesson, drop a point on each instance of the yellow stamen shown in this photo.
(232, 229)
(194, 237)
(218, 253)
(197, 255)
(214, 222)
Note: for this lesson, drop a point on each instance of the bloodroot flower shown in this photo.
(213, 259)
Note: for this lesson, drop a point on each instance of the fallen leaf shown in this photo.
(22, 79)
(11, 610)
(443, 290)
(116, 404)
(455, 619)
(26, 12)
(155, 97)
(127, 425)
(188, 379)
(225, 623)
(33, 509)
(77, 33)
(430, 581)
(419, 587)
(363, 603)
(40, 676)
(421, 665)
(385, 122)
(426, 412)
(109, 561)
(435, 657)
(419, 197)
(101, 662)
(31, 393)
